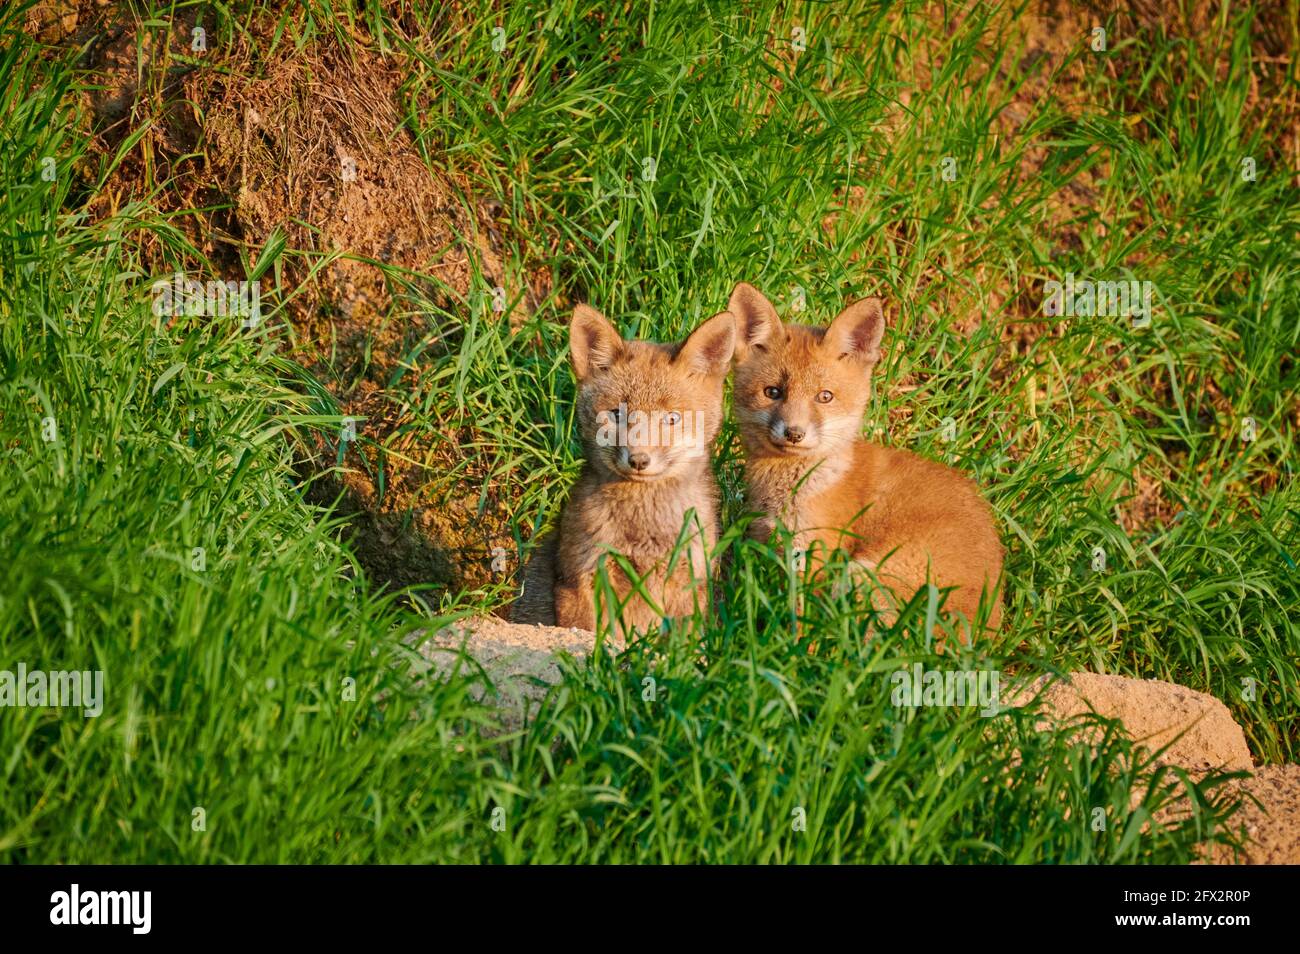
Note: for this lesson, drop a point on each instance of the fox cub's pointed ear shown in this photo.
(709, 347)
(856, 332)
(756, 320)
(594, 343)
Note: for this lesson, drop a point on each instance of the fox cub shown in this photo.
(648, 415)
(799, 395)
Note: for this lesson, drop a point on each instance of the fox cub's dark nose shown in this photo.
(794, 435)
(639, 461)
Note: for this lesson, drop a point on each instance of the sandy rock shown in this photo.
(1153, 713)
(518, 659)
(1273, 825)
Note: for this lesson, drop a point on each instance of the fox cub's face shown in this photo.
(648, 411)
(801, 390)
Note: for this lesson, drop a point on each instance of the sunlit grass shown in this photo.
(228, 684)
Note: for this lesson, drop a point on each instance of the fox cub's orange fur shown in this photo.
(800, 394)
(648, 415)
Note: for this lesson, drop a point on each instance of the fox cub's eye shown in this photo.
(773, 392)
(672, 418)
(825, 397)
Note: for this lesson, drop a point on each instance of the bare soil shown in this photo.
(1195, 731)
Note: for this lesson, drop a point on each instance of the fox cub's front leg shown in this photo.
(575, 604)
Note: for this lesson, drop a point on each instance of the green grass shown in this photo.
(226, 685)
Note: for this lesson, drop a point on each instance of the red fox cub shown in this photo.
(648, 415)
(800, 394)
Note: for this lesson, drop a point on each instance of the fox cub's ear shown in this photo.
(709, 347)
(756, 320)
(856, 332)
(594, 343)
